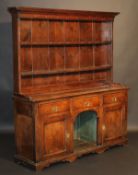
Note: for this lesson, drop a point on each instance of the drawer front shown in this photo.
(54, 107)
(114, 98)
(85, 102)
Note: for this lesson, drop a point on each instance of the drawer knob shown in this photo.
(103, 128)
(87, 104)
(67, 135)
(54, 109)
(114, 99)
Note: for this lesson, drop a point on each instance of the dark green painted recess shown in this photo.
(85, 128)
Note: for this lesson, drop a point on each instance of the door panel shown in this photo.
(113, 119)
(54, 136)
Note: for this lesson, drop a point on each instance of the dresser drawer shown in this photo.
(85, 102)
(114, 98)
(54, 107)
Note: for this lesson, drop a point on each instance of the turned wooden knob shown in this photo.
(104, 127)
(68, 135)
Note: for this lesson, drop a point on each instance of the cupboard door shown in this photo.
(56, 135)
(114, 121)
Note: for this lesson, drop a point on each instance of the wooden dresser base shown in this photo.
(70, 157)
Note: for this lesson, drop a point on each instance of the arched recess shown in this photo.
(85, 128)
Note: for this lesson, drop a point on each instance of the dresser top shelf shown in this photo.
(60, 11)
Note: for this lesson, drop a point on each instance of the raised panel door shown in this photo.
(56, 135)
(114, 121)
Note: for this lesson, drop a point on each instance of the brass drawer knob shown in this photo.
(54, 109)
(103, 128)
(114, 99)
(87, 104)
(67, 135)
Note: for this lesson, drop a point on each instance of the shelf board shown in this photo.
(50, 44)
(67, 71)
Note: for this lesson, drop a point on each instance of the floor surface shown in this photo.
(116, 161)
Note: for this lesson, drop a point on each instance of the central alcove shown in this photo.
(85, 129)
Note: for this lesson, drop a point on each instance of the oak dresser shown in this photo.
(65, 101)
